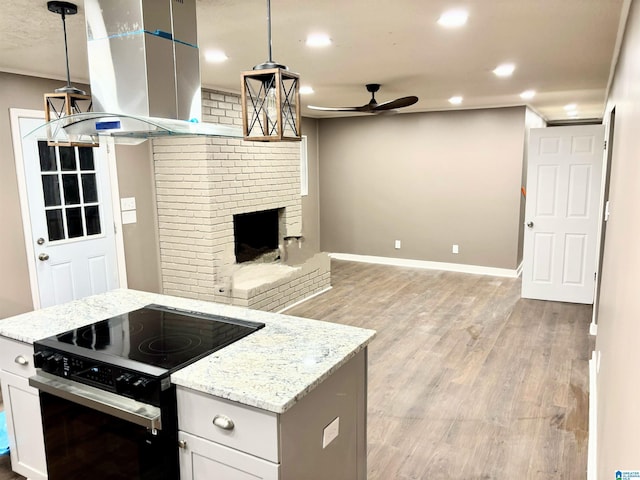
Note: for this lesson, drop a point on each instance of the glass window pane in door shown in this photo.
(55, 226)
(47, 156)
(86, 158)
(89, 188)
(92, 215)
(67, 158)
(74, 222)
(71, 189)
(51, 189)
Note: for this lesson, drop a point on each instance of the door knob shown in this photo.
(40, 241)
(530, 224)
(43, 257)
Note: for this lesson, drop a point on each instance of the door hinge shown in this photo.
(115, 228)
(595, 276)
(605, 144)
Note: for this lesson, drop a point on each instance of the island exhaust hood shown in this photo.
(145, 74)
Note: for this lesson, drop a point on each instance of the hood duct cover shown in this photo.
(145, 74)
(143, 58)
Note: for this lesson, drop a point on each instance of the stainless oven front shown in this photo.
(99, 435)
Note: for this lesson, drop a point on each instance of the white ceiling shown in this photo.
(563, 49)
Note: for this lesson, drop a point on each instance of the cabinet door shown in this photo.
(24, 425)
(204, 460)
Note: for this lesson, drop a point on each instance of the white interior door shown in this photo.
(563, 185)
(70, 217)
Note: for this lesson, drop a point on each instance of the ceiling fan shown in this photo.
(373, 106)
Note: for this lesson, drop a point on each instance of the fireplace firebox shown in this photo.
(256, 236)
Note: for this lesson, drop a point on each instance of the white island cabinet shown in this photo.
(322, 436)
(287, 402)
(22, 407)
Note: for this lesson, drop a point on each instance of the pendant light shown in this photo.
(66, 100)
(271, 100)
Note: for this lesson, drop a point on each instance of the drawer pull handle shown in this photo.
(182, 444)
(223, 422)
(20, 360)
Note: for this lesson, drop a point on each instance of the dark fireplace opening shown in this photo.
(256, 236)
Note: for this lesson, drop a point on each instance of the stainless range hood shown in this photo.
(145, 74)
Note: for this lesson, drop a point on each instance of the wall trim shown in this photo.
(304, 299)
(449, 267)
(592, 447)
(108, 143)
(519, 269)
(15, 115)
(593, 329)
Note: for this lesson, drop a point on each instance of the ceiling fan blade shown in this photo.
(397, 103)
(336, 109)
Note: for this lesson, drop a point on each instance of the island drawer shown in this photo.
(251, 430)
(16, 357)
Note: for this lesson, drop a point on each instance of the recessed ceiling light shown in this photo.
(306, 90)
(215, 56)
(318, 40)
(571, 106)
(572, 113)
(456, 100)
(504, 70)
(528, 94)
(453, 18)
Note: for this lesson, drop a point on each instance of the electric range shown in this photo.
(110, 382)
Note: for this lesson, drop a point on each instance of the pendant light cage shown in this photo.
(66, 100)
(62, 104)
(271, 105)
(271, 100)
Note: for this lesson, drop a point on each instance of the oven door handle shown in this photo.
(112, 404)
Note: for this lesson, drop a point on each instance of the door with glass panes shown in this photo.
(68, 194)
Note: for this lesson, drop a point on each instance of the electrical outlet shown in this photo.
(397, 245)
(455, 249)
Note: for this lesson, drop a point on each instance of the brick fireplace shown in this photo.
(202, 184)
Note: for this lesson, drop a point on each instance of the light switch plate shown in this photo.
(129, 217)
(128, 203)
(330, 432)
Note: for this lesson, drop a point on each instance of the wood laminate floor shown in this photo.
(466, 380)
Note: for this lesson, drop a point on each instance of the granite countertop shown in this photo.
(270, 369)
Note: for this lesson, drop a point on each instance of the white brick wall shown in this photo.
(201, 183)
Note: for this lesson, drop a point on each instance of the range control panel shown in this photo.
(141, 387)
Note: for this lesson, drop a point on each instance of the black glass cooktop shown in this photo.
(155, 335)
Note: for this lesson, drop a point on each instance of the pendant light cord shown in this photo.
(66, 48)
(269, 28)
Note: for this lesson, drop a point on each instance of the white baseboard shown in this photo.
(593, 329)
(449, 267)
(592, 448)
(519, 269)
(304, 299)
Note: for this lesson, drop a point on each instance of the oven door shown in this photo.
(90, 433)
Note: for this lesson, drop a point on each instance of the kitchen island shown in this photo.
(295, 391)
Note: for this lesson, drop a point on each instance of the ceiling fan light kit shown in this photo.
(373, 106)
(270, 96)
